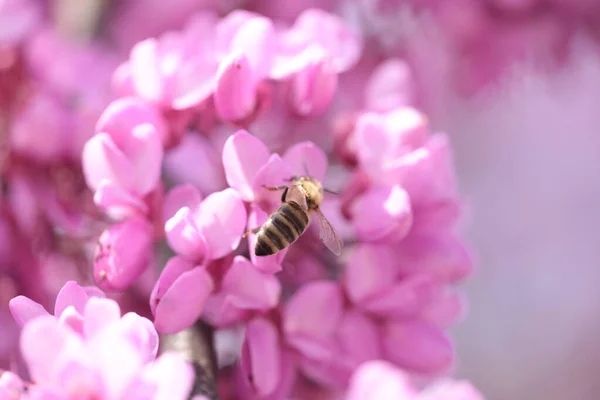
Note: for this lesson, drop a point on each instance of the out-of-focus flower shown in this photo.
(11, 386)
(18, 19)
(380, 380)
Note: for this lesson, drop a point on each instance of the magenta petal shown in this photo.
(99, 313)
(235, 92)
(306, 158)
(417, 346)
(172, 270)
(269, 264)
(371, 269)
(243, 156)
(23, 309)
(184, 237)
(178, 197)
(314, 311)
(312, 89)
(222, 218)
(102, 160)
(117, 202)
(93, 291)
(123, 254)
(261, 358)
(122, 115)
(380, 380)
(71, 294)
(250, 288)
(183, 301)
(42, 341)
(389, 86)
(221, 312)
(447, 309)
(404, 299)
(382, 212)
(359, 337)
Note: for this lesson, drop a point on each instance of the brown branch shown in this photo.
(196, 345)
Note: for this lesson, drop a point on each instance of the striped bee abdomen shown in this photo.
(282, 228)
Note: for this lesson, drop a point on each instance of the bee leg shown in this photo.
(251, 232)
(274, 188)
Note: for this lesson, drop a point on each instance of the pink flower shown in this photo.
(380, 380)
(11, 386)
(206, 229)
(123, 253)
(122, 162)
(107, 365)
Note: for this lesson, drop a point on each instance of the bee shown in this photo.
(300, 200)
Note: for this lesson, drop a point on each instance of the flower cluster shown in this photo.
(167, 144)
(88, 350)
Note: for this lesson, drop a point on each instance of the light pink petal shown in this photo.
(172, 375)
(71, 294)
(222, 218)
(268, 264)
(194, 82)
(306, 158)
(122, 115)
(172, 270)
(417, 346)
(243, 156)
(389, 86)
(380, 380)
(256, 38)
(99, 313)
(117, 202)
(72, 319)
(122, 82)
(93, 291)
(249, 288)
(117, 360)
(184, 237)
(235, 91)
(23, 310)
(147, 162)
(371, 269)
(178, 197)
(313, 88)
(449, 389)
(78, 379)
(102, 160)
(359, 337)
(183, 301)
(382, 213)
(145, 75)
(274, 173)
(330, 32)
(314, 311)
(261, 358)
(11, 386)
(42, 341)
(141, 332)
(228, 27)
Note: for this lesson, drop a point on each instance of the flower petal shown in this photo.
(243, 156)
(250, 288)
(235, 92)
(184, 238)
(71, 294)
(172, 375)
(183, 301)
(141, 332)
(306, 158)
(379, 380)
(221, 219)
(117, 202)
(103, 160)
(261, 358)
(417, 346)
(98, 314)
(23, 310)
(359, 337)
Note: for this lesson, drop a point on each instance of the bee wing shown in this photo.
(296, 195)
(328, 234)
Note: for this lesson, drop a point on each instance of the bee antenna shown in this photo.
(330, 191)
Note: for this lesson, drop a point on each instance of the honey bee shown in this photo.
(300, 200)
